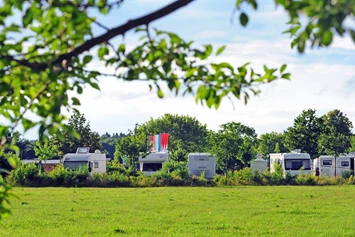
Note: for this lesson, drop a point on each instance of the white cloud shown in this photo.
(211, 34)
(343, 43)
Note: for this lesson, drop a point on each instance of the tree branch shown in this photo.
(101, 25)
(123, 29)
(120, 30)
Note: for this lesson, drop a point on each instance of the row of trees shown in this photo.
(234, 144)
(330, 134)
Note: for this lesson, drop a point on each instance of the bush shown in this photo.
(115, 166)
(172, 174)
(27, 175)
(290, 179)
(61, 176)
(116, 179)
(244, 176)
(277, 177)
(221, 180)
(346, 174)
(306, 179)
(257, 177)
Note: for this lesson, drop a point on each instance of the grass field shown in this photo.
(228, 211)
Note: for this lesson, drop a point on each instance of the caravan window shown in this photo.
(345, 163)
(152, 166)
(297, 164)
(96, 164)
(72, 165)
(327, 162)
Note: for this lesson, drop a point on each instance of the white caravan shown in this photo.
(259, 164)
(198, 162)
(96, 161)
(329, 166)
(291, 162)
(153, 162)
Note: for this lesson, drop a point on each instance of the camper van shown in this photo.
(96, 161)
(329, 166)
(291, 162)
(153, 162)
(198, 162)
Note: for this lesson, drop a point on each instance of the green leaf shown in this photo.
(217, 102)
(95, 85)
(27, 18)
(28, 124)
(190, 72)
(122, 48)
(286, 76)
(283, 68)
(12, 161)
(102, 3)
(226, 65)
(163, 44)
(102, 52)
(294, 43)
(87, 59)
(301, 45)
(327, 38)
(238, 3)
(210, 100)
(177, 86)
(254, 4)
(206, 93)
(292, 31)
(13, 28)
(160, 93)
(220, 50)
(208, 51)
(75, 101)
(79, 89)
(157, 54)
(104, 10)
(244, 19)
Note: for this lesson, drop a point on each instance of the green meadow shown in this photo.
(185, 211)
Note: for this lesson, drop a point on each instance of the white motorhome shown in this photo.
(198, 162)
(153, 162)
(259, 164)
(96, 161)
(291, 162)
(329, 166)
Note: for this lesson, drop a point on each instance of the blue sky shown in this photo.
(322, 79)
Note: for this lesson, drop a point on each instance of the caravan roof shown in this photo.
(76, 157)
(291, 155)
(155, 157)
(50, 162)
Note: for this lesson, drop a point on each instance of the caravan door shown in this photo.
(343, 164)
(327, 166)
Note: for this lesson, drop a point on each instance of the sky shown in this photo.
(322, 79)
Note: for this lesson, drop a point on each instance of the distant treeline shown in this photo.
(234, 144)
